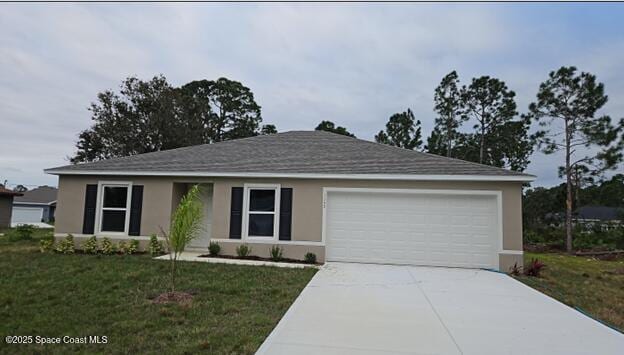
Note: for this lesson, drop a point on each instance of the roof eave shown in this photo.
(409, 177)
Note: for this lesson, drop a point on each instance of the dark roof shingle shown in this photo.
(295, 152)
(42, 194)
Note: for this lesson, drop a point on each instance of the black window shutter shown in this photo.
(285, 221)
(88, 221)
(236, 213)
(136, 205)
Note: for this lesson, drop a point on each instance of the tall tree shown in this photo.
(268, 129)
(20, 188)
(566, 108)
(491, 104)
(329, 126)
(402, 130)
(148, 116)
(448, 106)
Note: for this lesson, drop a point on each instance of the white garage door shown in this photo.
(26, 215)
(415, 227)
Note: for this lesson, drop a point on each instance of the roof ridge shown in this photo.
(444, 157)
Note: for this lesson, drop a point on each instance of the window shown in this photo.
(114, 207)
(261, 211)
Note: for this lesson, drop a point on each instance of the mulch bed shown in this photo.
(173, 297)
(257, 258)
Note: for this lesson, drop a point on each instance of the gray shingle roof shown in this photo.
(42, 194)
(294, 152)
(602, 213)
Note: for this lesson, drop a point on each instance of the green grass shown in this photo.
(52, 295)
(595, 286)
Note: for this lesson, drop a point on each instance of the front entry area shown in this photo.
(205, 195)
(413, 227)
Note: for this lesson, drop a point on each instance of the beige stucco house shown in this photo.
(342, 198)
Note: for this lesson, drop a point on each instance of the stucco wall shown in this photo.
(156, 212)
(161, 195)
(308, 203)
(6, 209)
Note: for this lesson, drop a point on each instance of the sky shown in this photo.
(353, 64)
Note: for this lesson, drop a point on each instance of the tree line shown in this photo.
(153, 115)
(478, 122)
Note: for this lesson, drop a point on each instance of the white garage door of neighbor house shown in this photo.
(414, 227)
(26, 215)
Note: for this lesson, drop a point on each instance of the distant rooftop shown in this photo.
(7, 192)
(601, 213)
(41, 194)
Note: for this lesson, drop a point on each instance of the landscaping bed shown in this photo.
(232, 309)
(592, 285)
(258, 258)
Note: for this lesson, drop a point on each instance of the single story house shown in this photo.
(603, 217)
(6, 206)
(35, 206)
(342, 198)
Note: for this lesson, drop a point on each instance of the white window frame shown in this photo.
(100, 206)
(246, 197)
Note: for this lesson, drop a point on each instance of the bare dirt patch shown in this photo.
(173, 297)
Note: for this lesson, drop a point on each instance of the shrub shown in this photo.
(214, 248)
(122, 247)
(66, 246)
(534, 268)
(515, 270)
(108, 247)
(132, 247)
(155, 246)
(310, 258)
(243, 251)
(25, 231)
(46, 245)
(276, 253)
(21, 232)
(90, 246)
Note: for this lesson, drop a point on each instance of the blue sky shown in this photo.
(354, 64)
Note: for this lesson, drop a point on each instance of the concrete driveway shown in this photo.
(385, 309)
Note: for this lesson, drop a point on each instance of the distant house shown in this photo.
(603, 216)
(35, 206)
(6, 206)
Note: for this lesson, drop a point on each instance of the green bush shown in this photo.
(66, 246)
(155, 246)
(108, 247)
(90, 246)
(46, 245)
(132, 247)
(214, 248)
(243, 251)
(583, 238)
(310, 258)
(276, 253)
(25, 231)
(122, 247)
(21, 232)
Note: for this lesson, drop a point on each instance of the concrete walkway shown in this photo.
(383, 309)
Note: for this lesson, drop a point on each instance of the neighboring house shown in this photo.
(602, 217)
(342, 198)
(6, 206)
(35, 206)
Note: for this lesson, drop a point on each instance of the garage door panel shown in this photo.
(26, 214)
(419, 229)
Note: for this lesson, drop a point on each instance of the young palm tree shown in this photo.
(185, 226)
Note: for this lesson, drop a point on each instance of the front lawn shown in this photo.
(595, 286)
(52, 295)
